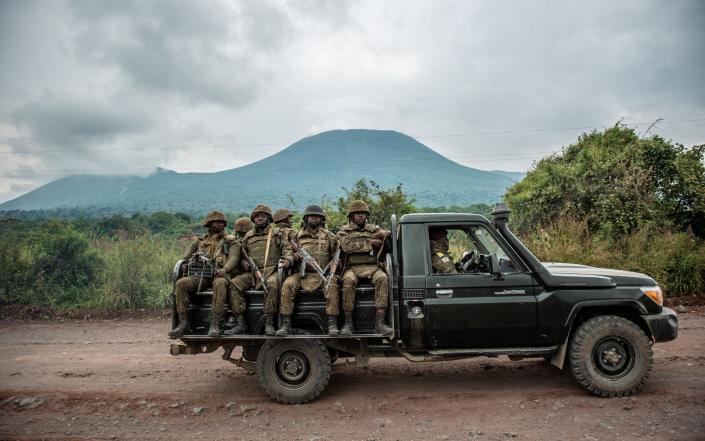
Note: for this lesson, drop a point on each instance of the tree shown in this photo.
(382, 202)
(617, 182)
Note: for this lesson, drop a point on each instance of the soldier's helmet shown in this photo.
(261, 208)
(242, 225)
(214, 216)
(281, 214)
(358, 207)
(315, 209)
(437, 233)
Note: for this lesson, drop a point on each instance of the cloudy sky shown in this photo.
(127, 86)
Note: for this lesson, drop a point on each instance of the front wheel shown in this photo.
(610, 356)
(293, 371)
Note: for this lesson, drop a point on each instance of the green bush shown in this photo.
(675, 260)
(138, 272)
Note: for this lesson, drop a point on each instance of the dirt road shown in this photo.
(116, 380)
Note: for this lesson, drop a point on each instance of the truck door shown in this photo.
(472, 308)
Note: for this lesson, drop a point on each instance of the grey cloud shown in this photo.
(71, 121)
(203, 51)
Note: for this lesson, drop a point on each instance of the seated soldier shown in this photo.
(441, 259)
(268, 247)
(363, 244)
(322, 245)
(215, 247)
(236, 323)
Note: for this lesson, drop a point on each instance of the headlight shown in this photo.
(654, 293)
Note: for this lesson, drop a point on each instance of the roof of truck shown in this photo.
(416, 218)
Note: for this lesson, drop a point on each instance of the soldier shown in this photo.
(268, 246)
(321, 244)
(224, 254)
(362, 244)
(242, 226)
(441, 259)
(236, 322)
(282, 219)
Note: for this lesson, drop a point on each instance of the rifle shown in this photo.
(332, 267)
(202, 257)
(307, 258)
(253, 268)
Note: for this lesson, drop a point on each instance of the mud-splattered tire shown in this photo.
(293, 371)
(610, 356)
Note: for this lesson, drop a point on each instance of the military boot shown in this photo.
(214, 330)
(232, 321)
(285, 328)
(240, 327)
(380, 326)
(333, 325)
(348, 325)
(183, 328)
(269, 324)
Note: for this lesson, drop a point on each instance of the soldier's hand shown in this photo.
(184, 268)
(285, 263)
(381, 234)
(376, 243)
(246, 266)
(220, 272)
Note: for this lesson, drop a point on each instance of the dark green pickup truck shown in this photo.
(501, 301)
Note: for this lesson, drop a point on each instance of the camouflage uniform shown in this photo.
(223, 252)
(213, 247)
(255, 243)
(321, 245)
(361, 261)
(282, 219)
(441, 259)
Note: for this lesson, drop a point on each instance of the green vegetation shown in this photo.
(616, 200)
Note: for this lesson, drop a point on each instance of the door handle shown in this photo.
(444, 293)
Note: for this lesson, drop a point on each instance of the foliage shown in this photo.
(616, 181)
(382, 202)
(676, 260)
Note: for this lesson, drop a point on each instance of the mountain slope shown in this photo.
(309, 170)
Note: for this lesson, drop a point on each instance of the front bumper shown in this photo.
(664, 325)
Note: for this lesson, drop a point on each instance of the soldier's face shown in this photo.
(261, 220)
(288, 221)
(359, 218)
(216, 226)
(313, 220)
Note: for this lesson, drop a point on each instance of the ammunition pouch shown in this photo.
(361, 259)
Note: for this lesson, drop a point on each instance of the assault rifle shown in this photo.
(257, 274)
(307, 258)
(199, 256)
(332, 267)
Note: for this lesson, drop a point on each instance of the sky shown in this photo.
(106, 87)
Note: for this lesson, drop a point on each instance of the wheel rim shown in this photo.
(613, 357)
(291, 369)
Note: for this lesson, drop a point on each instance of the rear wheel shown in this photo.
(293, 371)
(610, 356)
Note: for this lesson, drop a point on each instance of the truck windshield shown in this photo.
(484, 240)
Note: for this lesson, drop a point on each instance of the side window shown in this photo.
(465, 249)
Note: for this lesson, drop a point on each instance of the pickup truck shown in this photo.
(601, 323)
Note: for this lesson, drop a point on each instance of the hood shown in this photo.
(620, 277)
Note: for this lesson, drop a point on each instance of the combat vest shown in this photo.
(256, 246)
(214, 246)
(356, 243)
(319, 245)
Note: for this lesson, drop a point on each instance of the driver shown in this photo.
(441, 259)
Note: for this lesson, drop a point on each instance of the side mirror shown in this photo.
(494, 267)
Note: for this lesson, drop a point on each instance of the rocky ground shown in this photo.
(114, 379)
